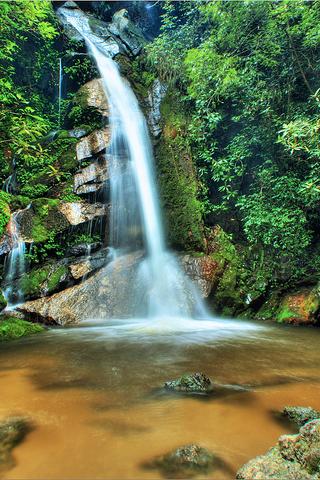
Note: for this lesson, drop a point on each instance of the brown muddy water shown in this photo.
(94, 394)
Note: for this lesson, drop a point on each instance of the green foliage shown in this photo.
(248, 74)
(12, 328)
(44, 279)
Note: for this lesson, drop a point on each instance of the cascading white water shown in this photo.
(161, 287)
(15, 265)
(60, 91)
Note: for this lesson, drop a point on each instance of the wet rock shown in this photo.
(93, 144)
(92, 178)
(300, 415)
(128, 33)
(83, 249)
(203, 270)
(185, 462)
(195, 383)
(107, 293)
(81, 212)
(89, 264)
(92, 94)
(154, 99)
(77, 133)
(12, 431)
(295, 457)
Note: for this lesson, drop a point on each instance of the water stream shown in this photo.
(15, 264)
(135, 214)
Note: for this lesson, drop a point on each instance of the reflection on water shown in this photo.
(95, 394)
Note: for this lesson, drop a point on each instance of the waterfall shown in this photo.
(14, 264)
(162, 289)
(60, 91)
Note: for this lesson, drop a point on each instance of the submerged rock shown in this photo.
(195, 383)
(300, 415)
(12, 431)
(295, 457)
(185, 462)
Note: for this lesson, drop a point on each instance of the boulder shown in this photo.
(82, 249)
(107, 293)
(92, 178)
(195, 383)
(300, 307)
(155, 95)
(185, 462)
(93, 144)
(294, 457)
(92, 95)
(203, 270)
(129, 34)
(300, 415)
(12, 432)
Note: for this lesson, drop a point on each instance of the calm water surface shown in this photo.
(94, 394)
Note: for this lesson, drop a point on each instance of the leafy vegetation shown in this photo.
(12, 328)
(249, 76)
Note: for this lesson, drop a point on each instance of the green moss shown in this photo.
(177, 180)
(3, 301)
(4, 215)
(44, 280)
(12, 327)
(285, 314)
(46, 219)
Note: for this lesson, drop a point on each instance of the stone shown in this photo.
(107, 293)
(185, 462)
(155, 95)
(77, 133)
(195, 383)
(295, 457)
(204, 271)
(300, 307)
(77, 213)
(93, 94)
(93, 144)
(300, 415)
(92, 178)
(129, 34)
(12, 432)
(83, 249)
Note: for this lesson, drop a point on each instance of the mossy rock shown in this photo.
(12, 432)
(12, 328)
(183, 211)
(299, 307)
(3, 301)
(44, 281)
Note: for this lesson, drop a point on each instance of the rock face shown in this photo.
(92, 178)
(93, 94)
(300, 307)
(295, 457)
(185, 462)
(12, 432)
(195, 383)
(105, 294)
(204, 271)
(124, 29)
(300, 415)
(155, 97)
(93, 144)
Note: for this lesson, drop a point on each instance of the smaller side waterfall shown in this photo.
(15, 265)
(60, 91)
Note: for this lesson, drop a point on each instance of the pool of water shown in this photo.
(94, 393)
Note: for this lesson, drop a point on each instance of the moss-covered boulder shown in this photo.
(12, 328)
(294, 457)
(190, 383)
(299, 307)
(3, 301)
(12, 432)
(185, 462)
(300, 415)
(44, 280)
